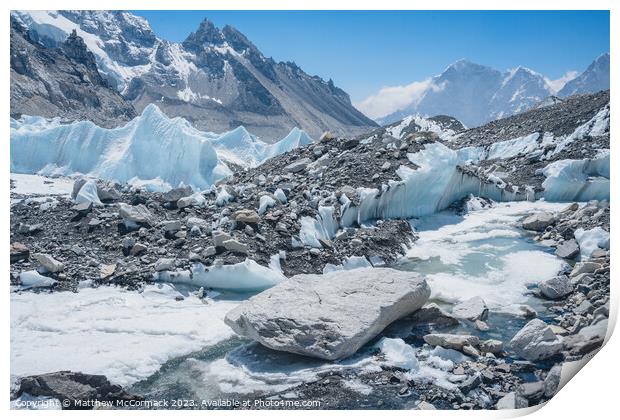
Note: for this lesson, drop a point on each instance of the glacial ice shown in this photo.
(152, 150)
(322, 227)
(123, 334)
(578, 180)
(265, 203)
(88, 194)
(246, 276)
(591, 239)
(350, 263)
(397, 353)
(32, 279)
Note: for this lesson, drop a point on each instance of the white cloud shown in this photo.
(559, 83)
(392, 98)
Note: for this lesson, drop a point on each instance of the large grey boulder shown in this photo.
(556, 287)
(329, 316)
(536, 341)
(538, 221)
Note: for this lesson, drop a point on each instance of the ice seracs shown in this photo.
(151, 151)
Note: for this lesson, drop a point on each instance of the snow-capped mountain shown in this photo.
(593, 79)
(216, 78)
(440, 126)
(61, 81)
(475, 94)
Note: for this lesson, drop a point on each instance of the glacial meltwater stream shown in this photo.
(481, 253)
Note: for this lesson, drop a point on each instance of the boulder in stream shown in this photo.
(329, 316)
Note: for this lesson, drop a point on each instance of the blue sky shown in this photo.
(363, 51)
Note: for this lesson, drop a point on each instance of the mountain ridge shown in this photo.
(216, 78)
(476, 94)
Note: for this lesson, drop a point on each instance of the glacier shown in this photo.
(438, 181)
(152, 151)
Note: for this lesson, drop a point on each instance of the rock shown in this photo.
(202, 224)
(568, 250)
(433, 314)
(185, 202)
(451, 341)
(511, 401)
(556, 287)
(176, 194)
(107, 193)
(491, 346)
(235, 246)
(49, 263)
(470, 351)
(552, 381)
(81, 209)
(246, 216)
(571, 208)
(536, 341)
(326, 136)
(423, 405)
(136, 214)
(126, 245)
(164, 264)
(19, 252)
(77, 186)
(538, 222)
(532, 390)
(329, 316)
(73, 387)
(349, 144)
(471, 309)
(106, 270)
(27, 229)
(171, 225)
(138, 249)
(599, 253)
(209, 251)
(472, 382)
(481, 325)
(298, 165)
(220, 237)
(586, 267)
(526, 311)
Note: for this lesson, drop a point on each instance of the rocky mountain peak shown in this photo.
(238, 41)
(206, 34)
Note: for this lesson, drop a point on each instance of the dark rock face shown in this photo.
(61, 82)
(74, 388)
(217, 78)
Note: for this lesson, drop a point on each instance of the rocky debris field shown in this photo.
(256, 214)
(560, 119)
